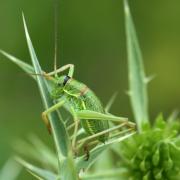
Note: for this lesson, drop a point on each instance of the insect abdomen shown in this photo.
(94, 126)
(91, 102)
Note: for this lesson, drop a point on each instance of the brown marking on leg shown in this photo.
(86, 151)
(48, 77)
(84, 91)
(46, 121)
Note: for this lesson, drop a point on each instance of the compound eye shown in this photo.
(66, 80)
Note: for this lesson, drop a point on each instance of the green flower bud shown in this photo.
(143, 166)
(168, 164)
(156, 154)
(157, 174)
(156, 157)
(146, 177)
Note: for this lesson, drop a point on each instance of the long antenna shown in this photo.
(55, 35)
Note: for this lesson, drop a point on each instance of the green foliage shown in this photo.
(137, 79)
(10, 170)
(37, 152)
(34, 149)
(37, 172)
(59, 131)
(153, 154)
(65, 166)
(58, 128)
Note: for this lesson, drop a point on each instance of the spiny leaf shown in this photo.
(36, 171)
(111, 101)
(58, 129)
(37, 151)
(173, 116)
(149, 78)
(46, 153)
(10, 171)
(68, 170)
(137, 82)
(95, 152)
(26, 67)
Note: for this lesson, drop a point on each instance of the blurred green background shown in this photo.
(91, 37)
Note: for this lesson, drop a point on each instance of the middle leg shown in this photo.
(50, 110)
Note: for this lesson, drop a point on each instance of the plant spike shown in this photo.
(59, 132)
(10, 170)
(83, 105)
(37, 172)
(24, 66)
(137, 79)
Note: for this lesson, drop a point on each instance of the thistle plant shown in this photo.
(150, 154)
(153, 153)
(10, 166)
(70, 161)
(65, 165)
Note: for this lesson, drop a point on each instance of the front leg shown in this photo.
(63, 68)
(48, 111)
(76, 121)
